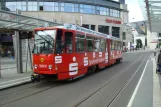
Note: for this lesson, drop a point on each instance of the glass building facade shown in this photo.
(27, 5)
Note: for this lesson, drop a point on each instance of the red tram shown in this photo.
(70, 51)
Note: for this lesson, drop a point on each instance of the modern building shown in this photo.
(106, 16)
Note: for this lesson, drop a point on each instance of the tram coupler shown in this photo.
(35, 77)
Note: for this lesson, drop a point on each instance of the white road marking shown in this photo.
(129, 80)
(137, 87)
(156, 87)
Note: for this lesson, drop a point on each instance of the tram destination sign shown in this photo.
(78, 28)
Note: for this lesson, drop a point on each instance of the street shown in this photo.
(112, 86)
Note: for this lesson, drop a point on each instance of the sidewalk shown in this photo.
(10, 77)
(7, 81)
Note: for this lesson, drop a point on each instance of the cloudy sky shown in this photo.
(135, 13)
(134, 7)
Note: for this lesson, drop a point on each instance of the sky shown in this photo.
(135, 13)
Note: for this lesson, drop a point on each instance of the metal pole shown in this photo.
(27, 49)
(0, 66)
(19, 55)
(30, 54)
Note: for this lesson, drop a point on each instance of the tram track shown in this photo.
(23, 89)
(125, 85)
(28, 95)
(112, 100)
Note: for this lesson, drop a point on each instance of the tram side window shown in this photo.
(112, 45)
(103, 45)
(68, 42)
(119, 46)
(59, 42)
(89, 44)
(97, 44)
(116, 47)
(79, 42)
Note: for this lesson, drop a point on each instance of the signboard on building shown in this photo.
(113, 21)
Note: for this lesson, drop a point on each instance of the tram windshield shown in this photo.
(44, 42)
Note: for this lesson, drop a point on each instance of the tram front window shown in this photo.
(44, 42)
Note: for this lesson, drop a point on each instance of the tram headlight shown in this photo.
(35, 66)
(50, 67)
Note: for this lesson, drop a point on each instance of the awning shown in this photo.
(153, 8)
(12, 21)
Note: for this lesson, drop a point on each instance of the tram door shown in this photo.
(68, 40)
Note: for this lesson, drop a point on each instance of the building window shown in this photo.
(103, 11)
(123, 35)
(32, 6)
(48, 6)
(114, 13)
(56, 6)
(108, 12)
(87, 9)
(92, 27)
(80, 40)
(69, 7)
(103, 29)
(11, 6)
(97, 10)
(85, 26)
(116, 32)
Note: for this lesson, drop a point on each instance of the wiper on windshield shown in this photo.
(46, 40)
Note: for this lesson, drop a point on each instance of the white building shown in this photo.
(139, 32)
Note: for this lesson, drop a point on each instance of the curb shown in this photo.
(16, 82)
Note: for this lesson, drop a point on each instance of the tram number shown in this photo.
(42, 66)
(73, 68)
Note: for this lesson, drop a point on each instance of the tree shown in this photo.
(139, 43)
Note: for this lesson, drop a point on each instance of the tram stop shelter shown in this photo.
(22, 27)
(153, 8)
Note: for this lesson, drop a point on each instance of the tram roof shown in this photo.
(82, 29)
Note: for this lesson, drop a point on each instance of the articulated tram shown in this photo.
(70, 51)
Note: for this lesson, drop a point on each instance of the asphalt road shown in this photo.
(111, 87)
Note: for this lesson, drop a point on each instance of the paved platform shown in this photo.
(9, 76)
(7, 81)
(147, 92)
